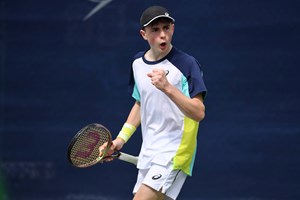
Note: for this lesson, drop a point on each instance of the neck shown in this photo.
(155, 56)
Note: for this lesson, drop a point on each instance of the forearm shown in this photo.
(134, 117)
(193, 108)
(132, 122)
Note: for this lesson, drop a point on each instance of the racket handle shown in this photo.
(128, 158)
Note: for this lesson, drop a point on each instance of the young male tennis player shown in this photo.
(169, 90)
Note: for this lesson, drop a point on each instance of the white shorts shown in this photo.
(161, 178)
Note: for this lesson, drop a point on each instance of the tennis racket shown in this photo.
(83, 151)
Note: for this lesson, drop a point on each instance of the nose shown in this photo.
(162, 34)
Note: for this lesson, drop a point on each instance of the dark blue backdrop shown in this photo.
(59, 73)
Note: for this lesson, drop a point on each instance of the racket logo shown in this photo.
(89, 146)
(155, 177)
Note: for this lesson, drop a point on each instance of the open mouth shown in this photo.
(163, 44)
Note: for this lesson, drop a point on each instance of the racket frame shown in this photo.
(75, 138)
(116, 155)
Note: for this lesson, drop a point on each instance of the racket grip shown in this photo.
(128, 158)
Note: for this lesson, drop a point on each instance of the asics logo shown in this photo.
(167, 72)
(155, 177)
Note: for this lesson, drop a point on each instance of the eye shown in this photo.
(167, 27)
(154, 29)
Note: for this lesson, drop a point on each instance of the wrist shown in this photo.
(126, 132)
(168, 89)
(119, 142)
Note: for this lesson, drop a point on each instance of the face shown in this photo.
(159, 36)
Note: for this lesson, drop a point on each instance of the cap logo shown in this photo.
(167, 14)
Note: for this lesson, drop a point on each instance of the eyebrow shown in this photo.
(163, 24)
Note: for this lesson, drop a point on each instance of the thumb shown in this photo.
(150, 74)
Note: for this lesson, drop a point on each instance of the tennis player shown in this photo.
(168, 87)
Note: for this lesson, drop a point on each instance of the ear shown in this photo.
(143, 34)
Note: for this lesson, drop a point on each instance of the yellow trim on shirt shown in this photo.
(185, 155)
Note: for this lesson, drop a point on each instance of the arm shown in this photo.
(192, 107)
(134, 117)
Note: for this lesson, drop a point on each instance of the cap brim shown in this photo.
(159, 16)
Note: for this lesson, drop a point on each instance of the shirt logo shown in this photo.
(155, 177)
(167, 72)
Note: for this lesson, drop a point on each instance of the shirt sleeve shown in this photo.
(132, 88)
(195, 78)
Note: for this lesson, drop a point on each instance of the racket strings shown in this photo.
(85, 150)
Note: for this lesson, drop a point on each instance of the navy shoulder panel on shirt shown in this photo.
(182, 60)
(138, 55)
(131, 78)
(190, 68)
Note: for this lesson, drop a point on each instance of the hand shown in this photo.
(116, 145)
(159, 79)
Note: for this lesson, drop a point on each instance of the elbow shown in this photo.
(200, 115)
